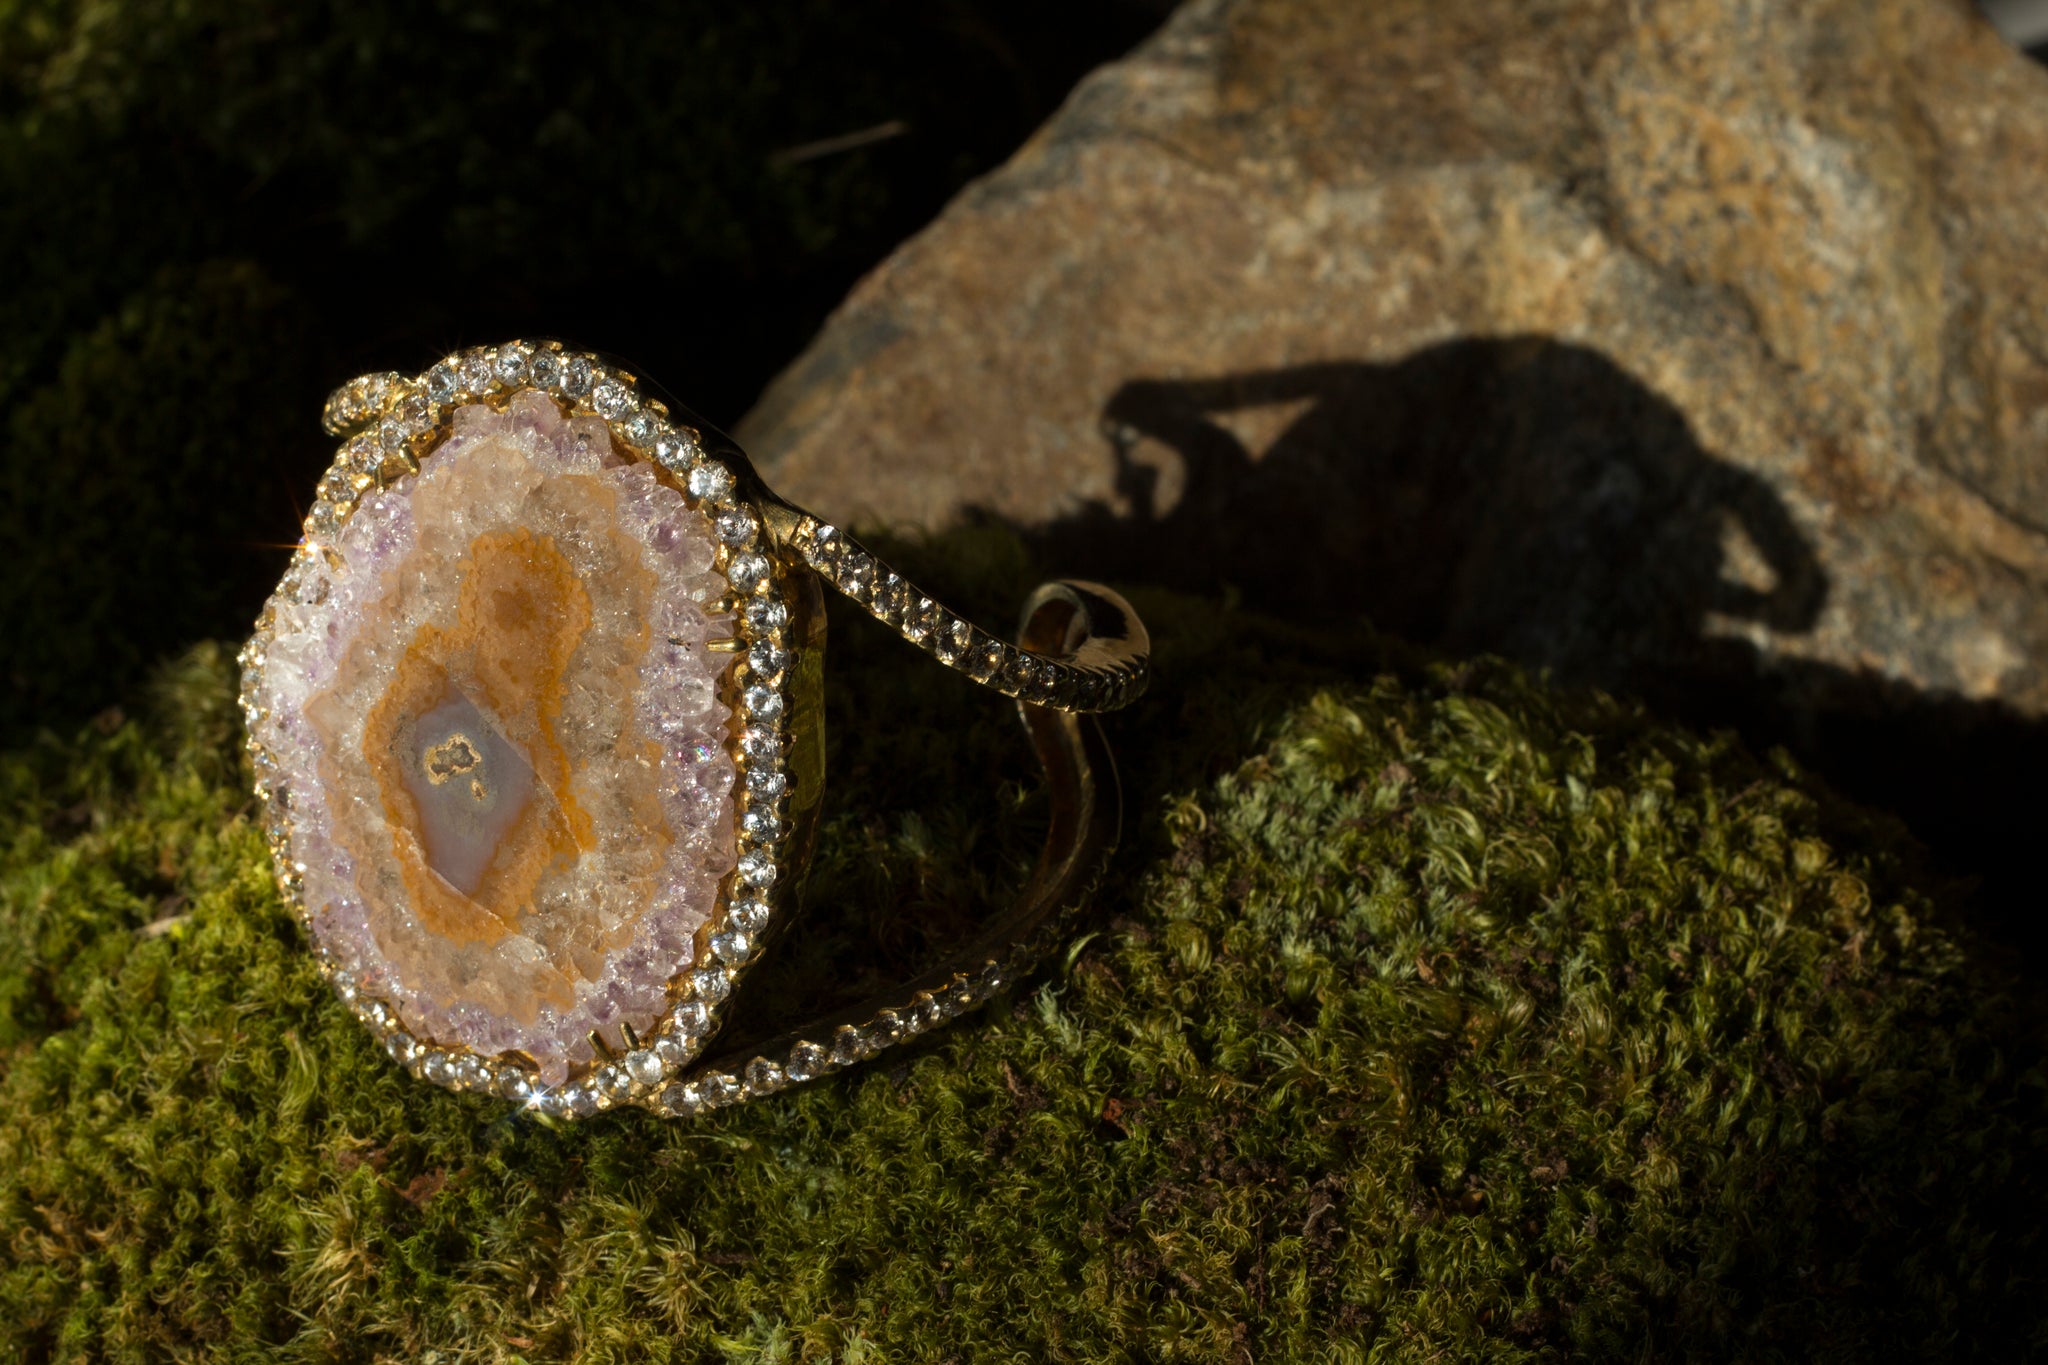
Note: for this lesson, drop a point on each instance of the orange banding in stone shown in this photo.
(521, 614)
(513, 794)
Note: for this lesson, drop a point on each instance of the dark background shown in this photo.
(211, 212)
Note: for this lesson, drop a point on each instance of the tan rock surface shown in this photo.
(1632, 339)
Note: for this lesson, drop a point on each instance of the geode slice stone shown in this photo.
(501, 731)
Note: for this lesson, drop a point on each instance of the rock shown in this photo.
(1510, 326)
(1704, 355)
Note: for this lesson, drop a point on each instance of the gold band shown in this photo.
(1106, 671)
(1080, 648)
(1060, 623)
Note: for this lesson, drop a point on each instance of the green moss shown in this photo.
(1427, 1015)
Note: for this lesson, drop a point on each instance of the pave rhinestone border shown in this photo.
(1083, 685)
(393, 423)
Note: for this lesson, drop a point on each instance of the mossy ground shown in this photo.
(1428, 1015)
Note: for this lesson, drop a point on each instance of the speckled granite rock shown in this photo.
(1714, 339)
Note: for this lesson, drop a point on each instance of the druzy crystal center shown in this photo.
(499, 727)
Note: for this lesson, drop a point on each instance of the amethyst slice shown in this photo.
(503, 741)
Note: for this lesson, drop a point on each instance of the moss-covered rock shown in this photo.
(1427, 1015)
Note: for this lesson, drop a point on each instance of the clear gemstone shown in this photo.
(736, 526)
(684, 1099)
(1017, 672)
(763, 703)
(712, 984)
(476, 372)
(312, 587)
(546, 370)
(512, 365)
(611, 400)
(951, 642)
(747, 572)
(576, 375)
(644, 1067)
(732, 947)
(441, 383)
(515, 1085)
(856, 572)
(760, 743)
(750, 914)
(710, 481)
(760, 824)
(767, 658)
(763, 1076)
(922, 617)
(673, 1049)
(766, 783)
(641, 429)
(415, 414)
(614, 1083)
(690, 1017)
(757, 869)
(674, 452)
(720, 1088)
(847, 1047)
(767, 616)
(891, 595)
(805, 1061)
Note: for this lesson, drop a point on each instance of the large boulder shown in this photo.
(1697, 349)
(1747, 301)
